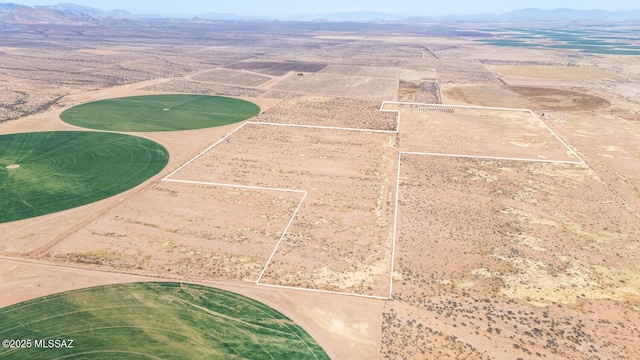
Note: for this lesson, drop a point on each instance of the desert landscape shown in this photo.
(407, 191)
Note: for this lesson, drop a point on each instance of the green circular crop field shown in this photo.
(160, 113)
(153, 321)
(46, 172)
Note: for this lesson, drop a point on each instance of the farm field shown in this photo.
(584, 41)
(367, 88)
(432, 228)
(276, 68)
(159, 113)
(239, 78)
(46, 172)
(383, 72)
(418, 86)
(142, 320)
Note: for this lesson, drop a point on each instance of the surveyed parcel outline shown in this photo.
(303, 193)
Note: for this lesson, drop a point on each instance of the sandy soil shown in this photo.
(527, 97)
(330, 112)
(199, 237)
(521, 232)
(340, 239)
(553, 72)
(478, 132)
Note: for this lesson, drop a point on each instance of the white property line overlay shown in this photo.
(284, 233)
(395, 223)
(203, 152)
(581, 161)
(395, 220)
(494, 158)
(400, 153)
(276, 124)
(328, 127)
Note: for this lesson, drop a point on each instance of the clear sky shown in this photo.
(293, 7)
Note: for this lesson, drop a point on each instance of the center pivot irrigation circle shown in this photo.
(46, 172)
(155, 320)
(168, 112)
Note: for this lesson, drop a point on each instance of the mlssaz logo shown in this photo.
(53, 344)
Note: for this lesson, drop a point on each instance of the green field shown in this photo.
(155, 321)
(46, 172)
(515, 43)
(160, 113)
(579, 40)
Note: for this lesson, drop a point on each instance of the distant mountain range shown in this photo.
(355, 16)
(569, 14)
(57, 14)
(84, 10)
(76, 14)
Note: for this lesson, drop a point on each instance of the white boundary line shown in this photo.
(234, 185)
(382, 109)
(324, 127)
(284, 232)
(395, 226)
(564, 143)
(494, 158)
(558, 137)
(283, 125)
(203, 152)
(326, 291)
(450, 106)
(396, 210)
(400, 153)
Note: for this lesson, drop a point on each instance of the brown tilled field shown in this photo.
(383, 72)
(276, 68)
(505, 243)
(230, 77)
(329, 84)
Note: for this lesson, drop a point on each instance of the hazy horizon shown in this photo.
(259, 8)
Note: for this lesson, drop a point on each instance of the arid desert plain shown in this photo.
(406, 191)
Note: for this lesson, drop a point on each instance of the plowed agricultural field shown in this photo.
(276, 68)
